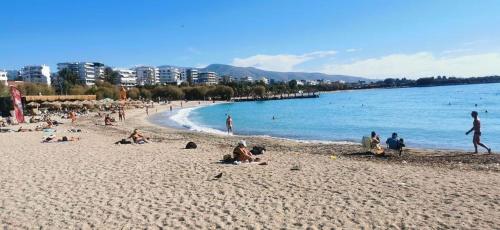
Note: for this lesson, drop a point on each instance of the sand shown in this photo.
(94, 183)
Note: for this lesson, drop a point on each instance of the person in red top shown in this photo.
(476, 127)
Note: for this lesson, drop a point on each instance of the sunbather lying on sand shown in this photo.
(138, 138)
(24, 130)
(52, 138)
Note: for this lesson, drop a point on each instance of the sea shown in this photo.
(426, 117)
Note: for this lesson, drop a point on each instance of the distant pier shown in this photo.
(278, 97)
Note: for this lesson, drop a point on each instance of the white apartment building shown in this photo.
(169, 75)
(87, 72)
(246, 79)
(265, 80)
(126, 77)
(207, 78)
(3, 77)
(36, 74)
(192, 76)
(147, 75)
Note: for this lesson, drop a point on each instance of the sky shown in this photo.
(369, 38)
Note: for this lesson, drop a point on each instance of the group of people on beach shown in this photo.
(396, 143)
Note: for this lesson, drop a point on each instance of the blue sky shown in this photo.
(365, 38)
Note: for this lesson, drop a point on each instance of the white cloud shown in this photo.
(352, 50)
(420, 64)
(280, 62)
(200, 65)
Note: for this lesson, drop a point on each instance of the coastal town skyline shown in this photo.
(373, 40)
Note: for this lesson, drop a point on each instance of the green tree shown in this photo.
(145, 93)
(292, 85)
(169, 92)
(35, 89)
(110, 75)
(133, 93)
(78, 90)
(259, 91)
(66, 80)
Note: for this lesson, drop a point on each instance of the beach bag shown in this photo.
(227, 158)
(258, 150)
(191, 145)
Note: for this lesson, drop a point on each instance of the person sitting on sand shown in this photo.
(395, 143)
(241, 153)
(107, 120)
(137, 137)
(375, 144)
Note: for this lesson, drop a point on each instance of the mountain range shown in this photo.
(255, 73)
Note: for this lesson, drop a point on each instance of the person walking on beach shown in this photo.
(147, 110)
(476, 127)
(229, 124)
(72, 116)
(120, 114)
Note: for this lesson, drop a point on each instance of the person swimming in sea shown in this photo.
(476, 127)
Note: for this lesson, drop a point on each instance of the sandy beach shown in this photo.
(95, 184)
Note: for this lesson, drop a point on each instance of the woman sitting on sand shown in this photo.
(137, 137)
(107, 120)
(375, 144)
(241, 153)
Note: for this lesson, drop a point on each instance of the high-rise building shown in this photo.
(169, 75)
(36, 74)
(207, 78)
(192, 76)
(126, 77)
(87, 72)
(3, 77)
(147, 75)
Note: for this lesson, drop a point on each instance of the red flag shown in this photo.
(18, 104)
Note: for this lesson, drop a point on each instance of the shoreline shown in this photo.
(201, 129)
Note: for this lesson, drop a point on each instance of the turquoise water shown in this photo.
(431, 117)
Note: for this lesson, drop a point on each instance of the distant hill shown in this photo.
(255, 73)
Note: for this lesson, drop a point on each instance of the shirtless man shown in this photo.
(229, 124)
(476, 127)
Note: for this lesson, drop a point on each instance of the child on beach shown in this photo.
(476, 127)
(229, 124)
(375, 144)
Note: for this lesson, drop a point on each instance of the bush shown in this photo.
(145, 93)
(133, 93)
(35, 89)
(168, 92)
(259, 91)
(78, 90)
(221, 92)
(195, 93)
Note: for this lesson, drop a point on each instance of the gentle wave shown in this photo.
(181, 118)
